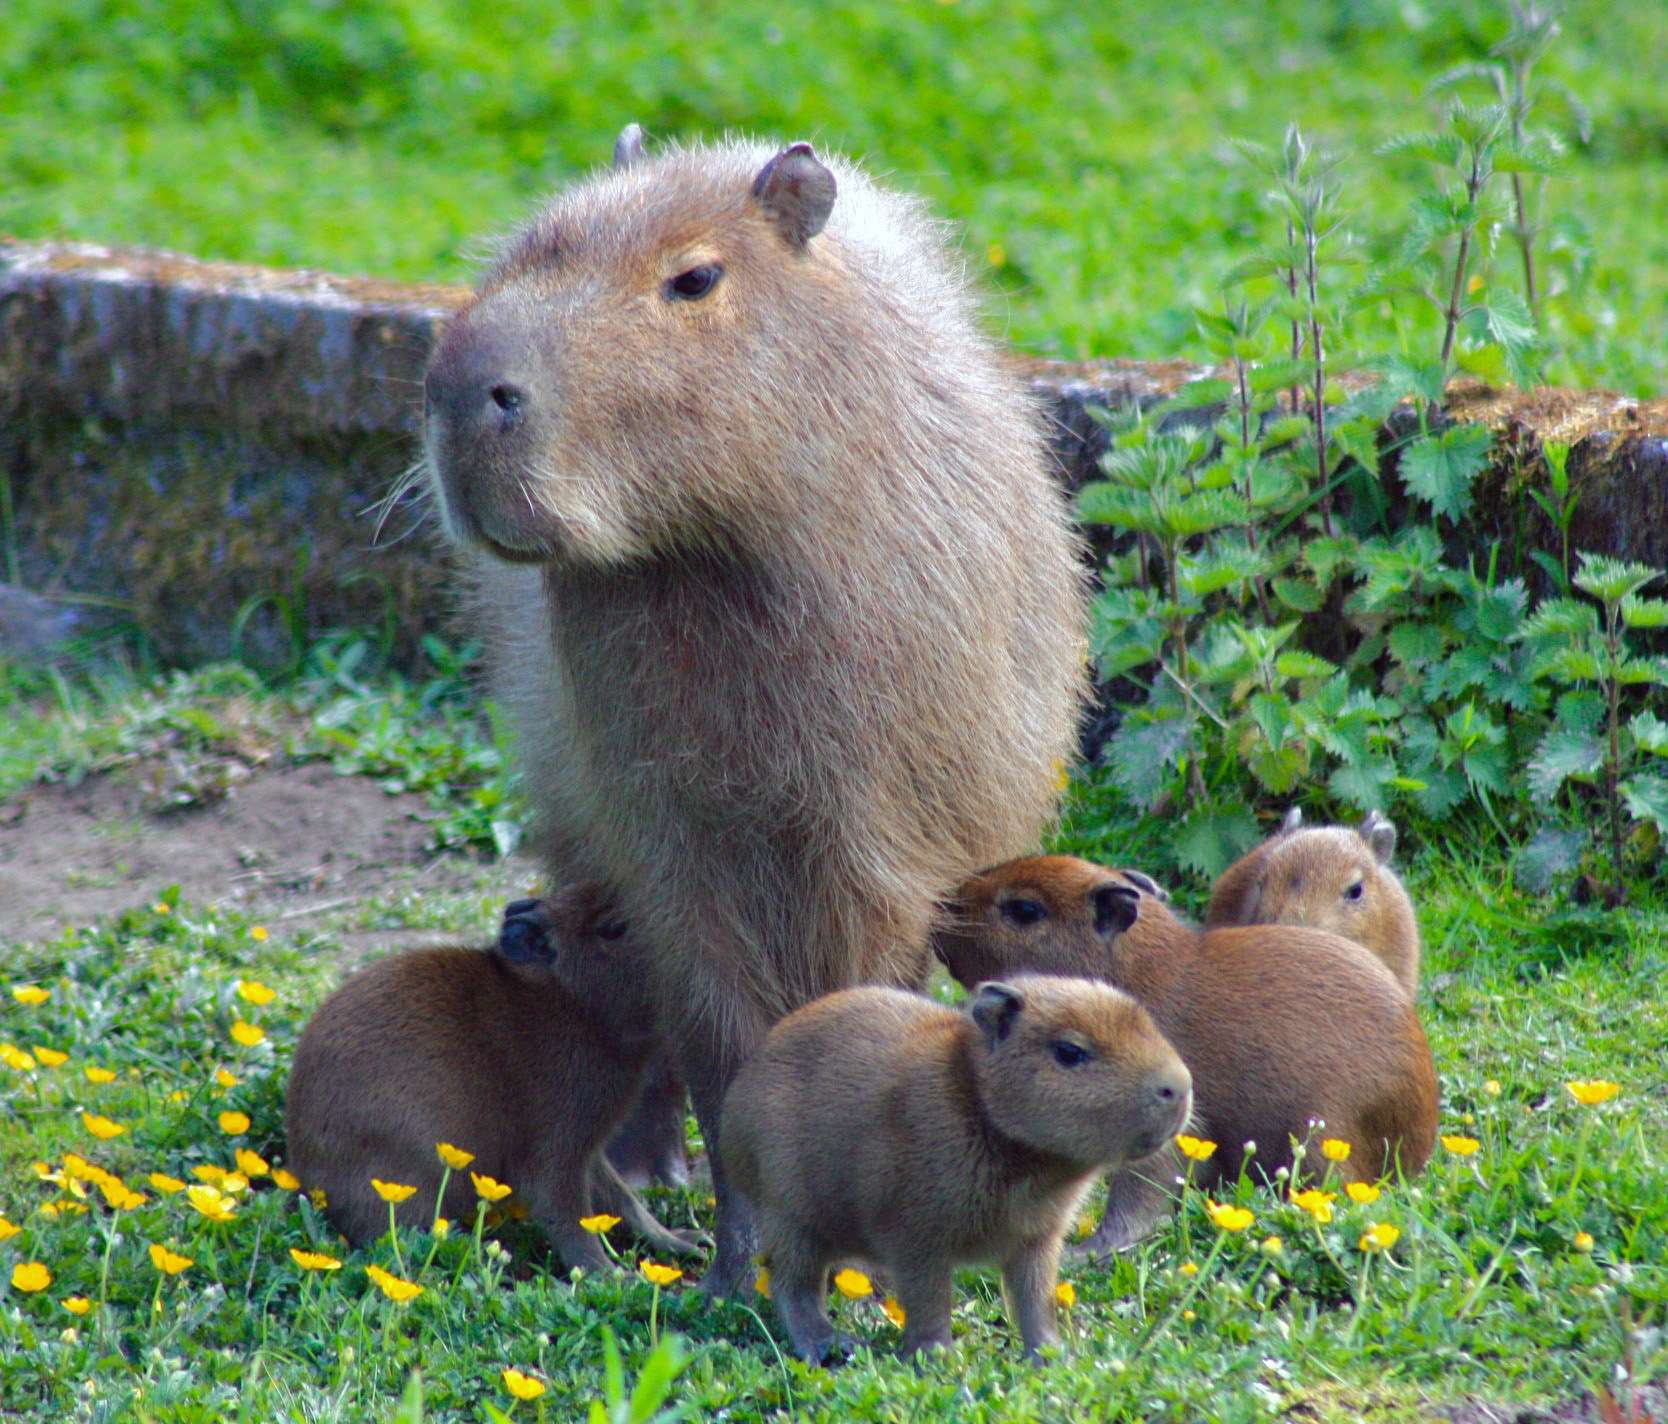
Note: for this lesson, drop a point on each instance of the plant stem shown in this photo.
(1297, 326)
(1250, 487)
(1473, 186)
(1317, 345)
(1613, 763)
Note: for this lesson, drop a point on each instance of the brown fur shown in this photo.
(1284, 1028)
(499, 1059)
(1335, 878)
(780, 594)
(878, 1125)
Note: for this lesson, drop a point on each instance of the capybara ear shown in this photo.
(995, 1007)
(1294, 819)
(628, 147)
(797, 192)
(521, 937)
(1380, 833)
(1116, 907)
(1145, 884)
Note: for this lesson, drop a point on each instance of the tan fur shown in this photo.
(1335, 878)
(499, 1059)
(1283, 1028)
(781, 596)
(878, 1125)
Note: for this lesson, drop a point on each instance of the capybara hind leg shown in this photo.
(1029, 1278)
(610, 1194)
(558, 1208)
(1135, 1203)
(649, 1146)
(923, 1290)
(798, 1285)
(709, 1076)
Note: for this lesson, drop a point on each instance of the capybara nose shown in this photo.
(468, 388)
(1170, 1089)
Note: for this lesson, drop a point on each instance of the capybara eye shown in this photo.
(611, 929)
(1356, 891)
(1023, 912)
(1068, 1054)
(694, 284)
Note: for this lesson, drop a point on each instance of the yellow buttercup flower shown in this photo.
(162, 907)
(1066, 1294)
(1363, 1193)
(1599, 1090)
(30, 1276)
(314, 1260)
(78, 1168)
(8, 1229)
(1491, 1088)
(1335, 1149)
(318, 1198)
(50, 1057)
(488, 1189)
(1189, 1268)
(258, 933)
(165, 1184)
(77, 1304)
(761, 1282)
(64, 1208)
(252, 991)
(1198, 1148)
(392, 1191)
(179, 1095)
(31, 995)
(283, 1177)
(15, 1058)
(211, 1202)
(1229, 1218)
(247, 1034)
(854, 1285)
(101, 1126)
(1062, 775)
(442, 1228)
(893, 1310)
(232, 1123)
(1271, 1246)
(167, 1262)
(95, 1074)
(600, 1224)
(1380, 1236)
(225, 1079)
(1317, 1203)
(1461, 1146)
(121, 1196)
(523, 1386)
(208, 1172)
(1583, 1241)
(251, 1164)
(454, 1157)
(392, 1286)
(656, 1274)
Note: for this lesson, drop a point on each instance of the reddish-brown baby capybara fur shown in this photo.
(780, 591)
(1335, 878)
(1284, 1029)
(878, 1125)
(497, 1058)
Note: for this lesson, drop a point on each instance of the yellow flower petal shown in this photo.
(1591, 1094)
(600, 1224)
(488, 1189)
(1197, 1148)
(1317, 1203)
(30, 994)
(1335, 1149)
(283, 1177)
(1189, 1268)
(232, 1123)
(854, 1285)
(251, 1164)
(318, 1198)
(208, 1172)
(392, 1191)
(8, 1229)
(442, 1228)
(1229, 1218)
(454, 1157)
(15, 1058)
(165, 1184)
(258, 933)
(30, 1276)
(761, 1282)
(1461, 1146)
(393, 1286)
(1583, 1241)
(1363, 1193)
(523, 1386)
(225, 1079)
(162, 907)
(101, 1126)
(77, 1304)
(247, 1034)
(50, 1057)
(1066, 1294)
(314, 1260)
(1271, 1246)
(1380, 1236)
(659, 1275)
(96, 1074)
(1491, 1088)
(252, 991)
(211, 1202)
(179, 1095)
(167, 1262)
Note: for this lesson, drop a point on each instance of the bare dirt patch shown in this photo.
(292, 841)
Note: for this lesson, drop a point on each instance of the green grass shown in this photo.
(1083, 148)
(1485, 1294)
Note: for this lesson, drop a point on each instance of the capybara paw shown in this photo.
(692, 1243)
(724, 1277)
(523, 936)
(831, 1353)
(672, 1170)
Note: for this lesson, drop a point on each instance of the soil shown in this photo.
(1650, 1402)
(290, 843)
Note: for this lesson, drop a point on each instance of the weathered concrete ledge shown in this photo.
(183, 437)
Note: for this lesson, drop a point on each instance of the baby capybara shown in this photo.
(530, 1065)
(1290, 1033)
(1335, 878)
(878, 1125)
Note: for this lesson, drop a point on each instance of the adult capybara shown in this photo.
(529, 1065)
(881, 1126)
(779, 592)
(1335, 878)
(1290, 1033)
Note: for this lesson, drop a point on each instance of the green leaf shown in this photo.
(1362, 785)
(1580, 710)
(410, 1407)
(1209, 840)
(1278, 770)
(654, 1383)
(1650, 732)
(1440, 468)
(1301, 665)
(1560, 756)
(1554, 851)
(1433, 147)
(1508, 320)
(1561, 618)
(1612, 580)
(1644, 612)
(1323, 556)
(1646, 796)
(1414, 644)
(1359, 440)
(1141, 753)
